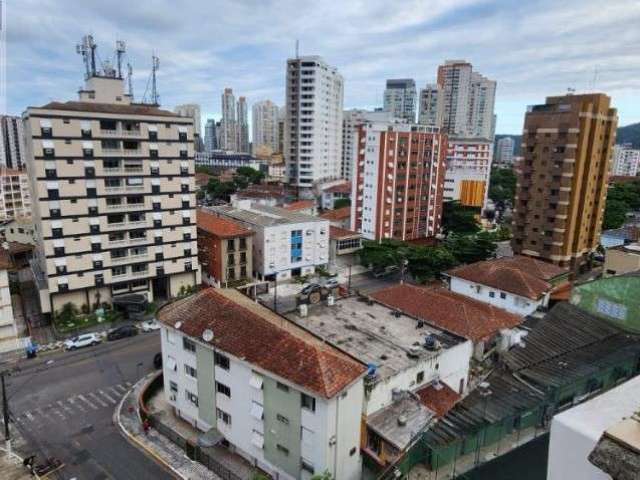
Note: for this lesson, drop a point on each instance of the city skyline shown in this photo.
(559, 46)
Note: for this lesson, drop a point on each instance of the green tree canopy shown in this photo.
(502, 185)
(250, 174)
(459, 219)
(622, 198)
(341, 202)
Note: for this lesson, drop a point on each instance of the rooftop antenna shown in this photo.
(595, 77)
(571, 91)
(297, 49)
(130, 80)
(155, 65)
(121, 48)
(87, 48)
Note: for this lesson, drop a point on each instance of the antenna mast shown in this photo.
(155, 65)
(297, 49)
(88, 51)
(129, 80)
(121, 48)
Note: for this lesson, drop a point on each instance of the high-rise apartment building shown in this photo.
(398, 181)
(229, 123)
(264, 118)
(351, 120)
(210, 136)
(430, 105)
(313, 125)
(468, 100)
(504, 151)
(15, 197)
(468, 170)
(243, 126)
(113, 198)
(567, 145)
(11, 142)
(626, 160)
(282, 120)
(400, 99)
(191, 110)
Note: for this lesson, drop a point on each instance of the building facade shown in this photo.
(261, 381)
(561, 190)
(229, 122)
(431, 103)
(400, 99)
(504, 151)
(468, 169)
(8, 327)
(626, 160)
(243, 126)
(313, 124)
(210, 135)
(11, 142)
(398, 182)
(265, 126)
(15, 196)
(114, 198)
(286, 244)
(192, 110)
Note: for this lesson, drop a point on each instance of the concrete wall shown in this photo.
(511, 303)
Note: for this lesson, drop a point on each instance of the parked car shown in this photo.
(122, 332)
(332, 283)
(310, 288)
(157, 360)
(86, 340)
(383, 272)
(150, 326)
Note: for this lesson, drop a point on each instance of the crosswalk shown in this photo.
(75, 405)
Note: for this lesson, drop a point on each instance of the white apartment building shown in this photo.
(431, 104)
(228, 124)
(11, 142)
(626, 160)
(351, 120)
(15, 196)
(114, 197)
(286, 243)
(400, 99)
(261, 382)
(468, 100)
(313, 124)
(264, 119)
(243, 126)
(504, 151)
(468, 170)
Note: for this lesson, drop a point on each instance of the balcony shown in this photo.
(120, 132)
(139, 273)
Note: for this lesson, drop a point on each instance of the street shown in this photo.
(63, 404)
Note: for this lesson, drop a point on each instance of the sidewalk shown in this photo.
(11, 467)
(158, 447)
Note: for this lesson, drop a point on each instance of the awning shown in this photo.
(210, 438)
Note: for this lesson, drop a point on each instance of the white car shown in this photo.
(150, 326)
(332, 283)
(86, 340)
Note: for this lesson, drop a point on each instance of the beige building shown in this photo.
(622, 259)
(21, 230)
(114, 193)
(15, 198)
(562, 178)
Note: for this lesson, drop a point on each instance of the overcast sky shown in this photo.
(532, 48)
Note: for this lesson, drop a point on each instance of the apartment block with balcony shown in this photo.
(15, 197)
(224, 250)
(567, 147)
(398, 181)
(468, 169)
(114, 198)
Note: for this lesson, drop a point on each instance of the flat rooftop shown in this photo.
(373, 333)
(265, 216)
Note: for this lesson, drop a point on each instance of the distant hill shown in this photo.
(629, 134)
(626, 134)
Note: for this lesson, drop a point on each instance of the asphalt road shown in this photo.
(63, 405)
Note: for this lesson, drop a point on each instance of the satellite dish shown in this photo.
(207, 335)
(178, 325)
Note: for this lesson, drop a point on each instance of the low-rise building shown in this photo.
(20, 230)
(343, 242)
(224, 250)
(622, 259)
(286, 244)
(340, 217)
(306, 207)
(519, 284)
(278, 395)
(620, 236)
(329, 195)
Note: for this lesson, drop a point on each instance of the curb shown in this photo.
(16, 456)
(137, 443)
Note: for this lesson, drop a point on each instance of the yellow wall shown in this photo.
(472, 193)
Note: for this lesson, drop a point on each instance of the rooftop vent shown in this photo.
(207, 335)
(431, 343)
(402, 420)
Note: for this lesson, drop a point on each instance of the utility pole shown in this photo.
(5, 411)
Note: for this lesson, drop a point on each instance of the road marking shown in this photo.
(98, 399)
(58, 413)
(106, 395)
(122, 388)
(63, 406)
(115, 392)
(93, 406)
(78, 405)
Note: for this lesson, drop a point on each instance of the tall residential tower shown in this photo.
(228, 124)
(400, 99)
(242, 126)
(265, 126)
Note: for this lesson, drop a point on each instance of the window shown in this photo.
(503, 295)
(420, 377)
(282, 419)
(173, 386)
(224, 416)
(306, 465)
(191, 397)
(283, 450)
(221, 360)
(282, 386)
(189, 370)
(188, 344)
(492, 294)
(308, 402)
(223, 389)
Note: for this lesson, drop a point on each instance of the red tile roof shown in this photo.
(260, 337)
(219, 226)
(202, 179)
(300, 205)
(337, 214)
(340, 188)
(337, 232)
(450, 311)
(439, 399)
(524, 276)
(133, 109)
(5, 260)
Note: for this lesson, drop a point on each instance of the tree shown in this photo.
(382, 254)
(326, 475)
(502, 185)
(621, 199)
(471, 248)
(615, 214)
(425, 263)
(341, 203)
(250, 174)
(459, 219)
(220, 190)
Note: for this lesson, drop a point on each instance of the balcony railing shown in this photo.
(119, 132)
